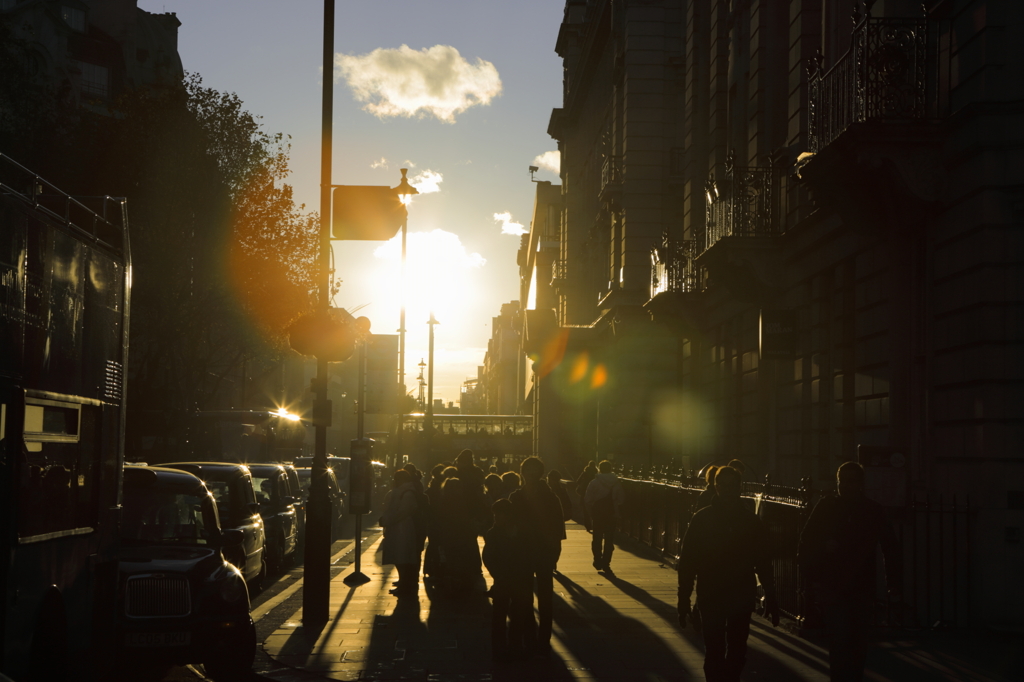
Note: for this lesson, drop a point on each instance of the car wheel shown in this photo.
(234, 661)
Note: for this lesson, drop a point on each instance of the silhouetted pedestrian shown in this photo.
(506, 558)
(837, 557)
(604, 500)
(708, 494)
(432, 565)
(461, 553)
(582, 483)
(401, 545)
(539, 514)
(724, 547)
(510, 483)
(492, 488)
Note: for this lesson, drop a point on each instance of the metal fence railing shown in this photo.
(934, 533)
(742, 204)
(672, 266)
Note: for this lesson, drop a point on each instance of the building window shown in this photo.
(75, 18)
(94, 80)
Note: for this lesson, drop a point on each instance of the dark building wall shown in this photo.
(894, 241)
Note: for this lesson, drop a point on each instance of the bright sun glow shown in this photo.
(438, 276)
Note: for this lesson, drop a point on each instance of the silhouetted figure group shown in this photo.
(724, 553)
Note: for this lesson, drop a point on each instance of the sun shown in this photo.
(438, 276)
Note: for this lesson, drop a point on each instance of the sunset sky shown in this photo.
(458, 91)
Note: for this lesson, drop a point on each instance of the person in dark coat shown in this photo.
(724, 547)
(582, 483)
(510, 483)
(432, 556)
(505, 556)
(401, 546)
(603, 502)
(708, 494)
(539, 514)
(461, 563)
(837, 557)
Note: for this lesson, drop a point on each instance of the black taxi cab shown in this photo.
(179, 600)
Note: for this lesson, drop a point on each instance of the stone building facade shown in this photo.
(808, 216)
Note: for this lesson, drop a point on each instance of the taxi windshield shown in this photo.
(166, 516)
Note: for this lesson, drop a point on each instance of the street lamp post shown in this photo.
(317, 561)
(404, 191)
(428, 417)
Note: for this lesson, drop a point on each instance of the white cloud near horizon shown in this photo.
(435, 81)
(380, 163)
(427, 181)
(551, 161)
(434, 252)
(509, 226)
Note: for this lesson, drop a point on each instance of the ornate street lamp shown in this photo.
(404, 191)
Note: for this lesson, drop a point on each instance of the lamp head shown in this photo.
(404, 189)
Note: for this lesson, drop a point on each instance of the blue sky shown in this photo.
(270, 54)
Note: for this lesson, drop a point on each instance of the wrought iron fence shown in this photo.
(672, 266)
(742, 205)
(882, 76)
(934, 534)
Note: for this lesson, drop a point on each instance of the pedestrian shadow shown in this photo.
(589, 625)
(666, 611)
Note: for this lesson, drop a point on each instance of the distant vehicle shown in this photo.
(231, 486)
(493, 438)
(341, 468)
(305, 476)
(178, 600)
(64, 301)
(300, 504)
(277, 507)
(242, 436)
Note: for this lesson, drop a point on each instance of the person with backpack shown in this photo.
(402, 543)
(603, 502)
(582, 483)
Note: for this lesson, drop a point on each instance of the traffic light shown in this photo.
(366, 212)
(329, 335)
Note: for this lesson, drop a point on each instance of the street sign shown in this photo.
(366, 212)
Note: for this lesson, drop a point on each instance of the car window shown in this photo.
(221, 492)
(164, 516)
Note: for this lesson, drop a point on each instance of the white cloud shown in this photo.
(380, 163)
(551, 161)
(427, 181)
(435, 81)
(509, 226)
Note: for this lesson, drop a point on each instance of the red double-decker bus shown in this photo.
(64, 294)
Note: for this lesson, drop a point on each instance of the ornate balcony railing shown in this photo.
(882, 76)
(611, 171)
(740, 206)
(672, 266)
(558, 272)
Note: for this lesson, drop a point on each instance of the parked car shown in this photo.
(179, 600)
(300, 504)
(231, 485)
(305, 475)
(274, 495)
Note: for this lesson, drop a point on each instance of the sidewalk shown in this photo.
(607, 628)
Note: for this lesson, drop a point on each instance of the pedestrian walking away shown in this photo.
(725, 550)
(604, 499)
(506, 558)
(582, 483)
(539, 514)
(402, 543)
(837, 557)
